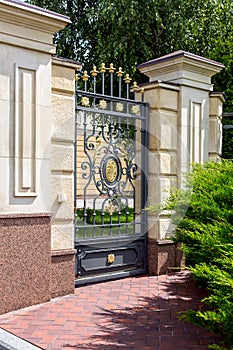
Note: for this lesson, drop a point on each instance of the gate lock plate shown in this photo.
(111, 258)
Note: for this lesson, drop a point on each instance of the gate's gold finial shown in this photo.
(111, 68)
(127, 79)
(102, 68)
(120, 72)
(135, 87)
(94, 71)
(85, 76)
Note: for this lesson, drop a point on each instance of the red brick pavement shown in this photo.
(132, 313)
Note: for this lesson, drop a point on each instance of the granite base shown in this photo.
(25, 260)
(62, 272)
(164, 256)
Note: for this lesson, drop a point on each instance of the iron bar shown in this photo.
(102, 71)
(107, 97)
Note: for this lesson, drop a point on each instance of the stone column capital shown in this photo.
(183, 68)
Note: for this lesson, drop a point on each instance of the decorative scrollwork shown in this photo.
(85, 166)
(132, 170)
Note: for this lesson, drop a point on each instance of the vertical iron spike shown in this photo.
(135, 88)
(119, 74)
(102, 71)
(85, 78)
(111, 70)
(127, 80)
(94, 73)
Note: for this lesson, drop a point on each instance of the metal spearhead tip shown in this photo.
(85, 76)
(127, 79)
(103, 68)
(111, 68)
(135, 87)
(120, 72)
(94, 71)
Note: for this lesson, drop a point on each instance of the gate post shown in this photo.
(62, 176)
(179, 132)
(215, 140)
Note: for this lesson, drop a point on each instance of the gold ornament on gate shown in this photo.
(111, 170)
(111, 258)
(85, 101)
(102, 104)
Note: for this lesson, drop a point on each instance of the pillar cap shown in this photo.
(182, 67)
(28, 26)
(220, 95)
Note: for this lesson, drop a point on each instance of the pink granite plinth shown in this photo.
(25, 260)
(164, 256)
(62, 272)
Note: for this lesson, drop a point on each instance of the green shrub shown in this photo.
(203, 212)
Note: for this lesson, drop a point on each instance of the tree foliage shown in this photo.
(227, 141)
(206, 235)
(129, 32)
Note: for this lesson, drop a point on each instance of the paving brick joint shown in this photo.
(139, 313)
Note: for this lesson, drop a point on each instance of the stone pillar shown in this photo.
(178, 93)
(26, 45)
(215, 132)
(62, 165)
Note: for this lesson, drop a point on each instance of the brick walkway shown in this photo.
(133, 313)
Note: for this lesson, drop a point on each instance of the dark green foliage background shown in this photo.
(129, 32)
(227, 141)
(204, 218)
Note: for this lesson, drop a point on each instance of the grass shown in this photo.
(106, 225)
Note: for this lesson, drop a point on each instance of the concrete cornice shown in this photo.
(29, 26)
(33, 17)
(220, 95)
(181, 67)
(160, 84)
(65, 62)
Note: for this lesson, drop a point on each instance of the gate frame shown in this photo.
(105, 245)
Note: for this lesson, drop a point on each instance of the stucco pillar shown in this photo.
(179, 95)
(215, 132)
(26, 46)
(62, 177)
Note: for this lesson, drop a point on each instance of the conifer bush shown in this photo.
(203, 212)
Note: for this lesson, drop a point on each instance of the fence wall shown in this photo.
(26, 46)
(37, 106)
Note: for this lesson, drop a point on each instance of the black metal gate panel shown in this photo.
(110, 179)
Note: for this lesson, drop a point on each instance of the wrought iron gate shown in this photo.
(110, 178)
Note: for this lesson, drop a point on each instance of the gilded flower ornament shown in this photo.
(135, 109)
(102, 104)
(85, 101)
(119, 107)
